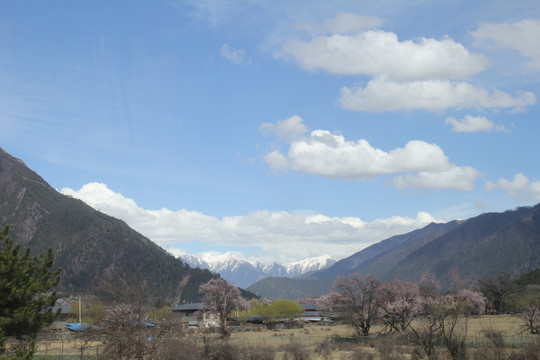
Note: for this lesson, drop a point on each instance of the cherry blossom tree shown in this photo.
(400, 304)
(441, 313)
(222, 299)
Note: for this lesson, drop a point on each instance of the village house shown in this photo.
(192, 315)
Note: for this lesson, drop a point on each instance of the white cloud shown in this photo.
(456, 178)
(522, 36)
(377, 52)
(284, 235)
(383, 94)
(176, 252)
(419, 74)
(236, 56)
(519, 187)
(322, 153)
(474, 124)
(277, 161)
(330, 155)
(288, 129)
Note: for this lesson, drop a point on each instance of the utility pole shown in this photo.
(80, 310)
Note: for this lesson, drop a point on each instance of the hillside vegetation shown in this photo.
(97, 253)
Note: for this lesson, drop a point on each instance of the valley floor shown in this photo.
(315, 341)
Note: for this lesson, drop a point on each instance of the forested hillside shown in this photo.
(96, 252)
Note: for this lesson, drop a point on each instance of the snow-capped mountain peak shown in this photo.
(310, 264)
(217, 262)
(235, 268)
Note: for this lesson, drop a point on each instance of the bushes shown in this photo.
(211, 349)
(178, 349)
(295, 350)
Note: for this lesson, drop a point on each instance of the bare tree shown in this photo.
(222, 299)
(357, 301)
(126, 334)
(497, 290)
(125, 331)
(531, 318)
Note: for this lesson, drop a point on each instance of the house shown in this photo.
(193, 315)
(63, 312)
(312, 313)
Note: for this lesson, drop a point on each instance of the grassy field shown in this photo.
(313, 337)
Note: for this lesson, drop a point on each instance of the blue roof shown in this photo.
(81, 326)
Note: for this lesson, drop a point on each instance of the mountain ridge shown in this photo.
(472, 246)
(479, 247)
(94, 250)
(235, 268)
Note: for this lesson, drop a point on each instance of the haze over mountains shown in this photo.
(242, 272)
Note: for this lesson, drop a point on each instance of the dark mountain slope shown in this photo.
(94, 250)
(380, 257)
(482, 246)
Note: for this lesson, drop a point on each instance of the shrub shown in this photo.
(325, 349)
(387, 350)
(259, 353)
(494, 348)
(532, 350)
(218, 349)
(178, 349)
(295, 350)
(362, 354)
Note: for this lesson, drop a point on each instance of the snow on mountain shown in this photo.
(310, 265)
(236, 269)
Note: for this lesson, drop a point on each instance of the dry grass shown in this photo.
(317, 339)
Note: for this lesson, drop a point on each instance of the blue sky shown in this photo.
(278, 129)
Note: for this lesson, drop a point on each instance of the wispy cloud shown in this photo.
(288, 129)
(456, 178)
(520, 187)
(473, 124)
(383, 94)
(522, 36)
(235, 56)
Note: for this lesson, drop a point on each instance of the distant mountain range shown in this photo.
(479, 248)
(242, 272)
(97, 253)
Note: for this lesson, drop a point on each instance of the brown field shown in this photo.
(62, 345)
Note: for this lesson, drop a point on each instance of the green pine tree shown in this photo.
(25, 305)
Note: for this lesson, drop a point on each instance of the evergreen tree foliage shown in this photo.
(531, 278)
(25, 305)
